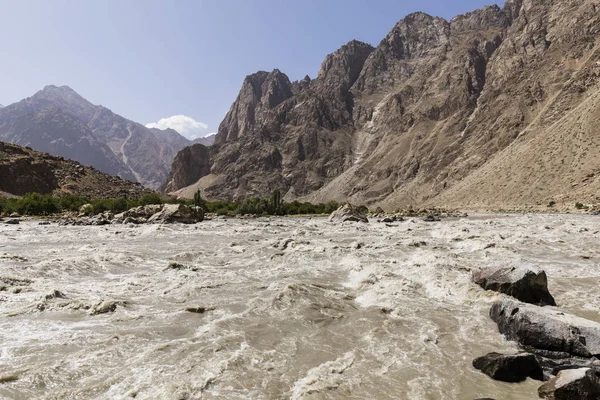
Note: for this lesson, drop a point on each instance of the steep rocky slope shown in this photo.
(191, 164)
(23, 170)
(59, 121)
(495, 108)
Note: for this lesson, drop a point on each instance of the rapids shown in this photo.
(294, 308)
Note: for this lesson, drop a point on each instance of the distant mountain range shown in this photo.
(495, 108)
(59, 121)
(206, 141)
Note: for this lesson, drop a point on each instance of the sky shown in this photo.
(180, 64)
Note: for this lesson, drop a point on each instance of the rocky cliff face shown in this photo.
(494, 108)
(23, 170)
(191, 164)
(59, 121)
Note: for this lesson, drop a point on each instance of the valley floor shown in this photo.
(273, 308)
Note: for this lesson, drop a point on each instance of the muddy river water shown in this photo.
(281, 308)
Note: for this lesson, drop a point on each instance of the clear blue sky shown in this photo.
(149, 59)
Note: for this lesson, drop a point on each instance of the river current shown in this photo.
(273, 308)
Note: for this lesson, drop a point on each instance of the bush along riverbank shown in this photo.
(35, 204)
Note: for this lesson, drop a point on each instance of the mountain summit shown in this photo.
(59, 121)
(494, 108)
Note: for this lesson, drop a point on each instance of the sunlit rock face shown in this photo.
(481, 110)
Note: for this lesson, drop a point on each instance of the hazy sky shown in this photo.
(150, 60)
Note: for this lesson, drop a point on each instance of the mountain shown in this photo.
(33, 171)
(206, 140)
(59, 121)
(495, 108)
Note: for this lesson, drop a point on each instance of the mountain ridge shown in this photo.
(106, 140)
(434, 104)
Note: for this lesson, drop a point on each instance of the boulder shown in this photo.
(199, 309)
(104, 307)
(171, 213)
(349, 213)
(139, 213)
(86, 209)
(524, 284)
(552, 366)
(510, 368)
(546, 329)
(572, 384)
(12, 222)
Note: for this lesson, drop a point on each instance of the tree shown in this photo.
(275, 203)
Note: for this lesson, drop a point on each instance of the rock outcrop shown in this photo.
(547, 331)
(510, 368)
(348, 213)
(495, 108)
(23, 170)
(523, 284)
(574, 384)
(161, 214)
(191, 164)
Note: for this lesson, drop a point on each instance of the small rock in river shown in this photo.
(199, 310)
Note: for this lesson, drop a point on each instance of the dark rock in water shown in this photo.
(573, 384)
(546, 328)
(199, 310)
(509, 368)
(432, 218)
(348, 213)
(54, 295)
(12, 222)
(523, 284)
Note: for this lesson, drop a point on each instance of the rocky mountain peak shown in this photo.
(261, 92)
(343, 67)
(442, 112)
(59, 121)
(486, 18)
(298, 86)
(67, 99)
(415, 35)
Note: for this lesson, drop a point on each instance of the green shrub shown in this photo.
(37, 204)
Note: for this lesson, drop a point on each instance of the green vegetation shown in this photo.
(38, 204)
